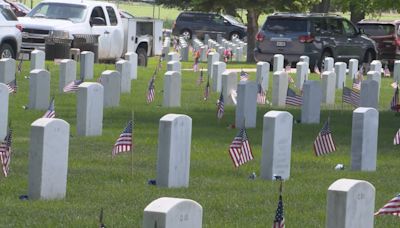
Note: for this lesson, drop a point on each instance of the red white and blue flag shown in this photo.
(391, 208)
(50, 113)
(124, 141)
(396, 140)
(351, 96)
(5, 153)
(261, 96)
(240, 150)
(324, 143)
(12, 86)
(292, 98)
(72, 87)
(244, 76)
(151, 91)
(279, 221)
(394, 103)
(220, 106)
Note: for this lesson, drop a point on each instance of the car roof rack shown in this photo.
(305, 14)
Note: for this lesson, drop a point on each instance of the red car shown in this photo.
(386, 34)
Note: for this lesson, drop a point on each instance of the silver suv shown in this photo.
(10, 32)
(315, 35)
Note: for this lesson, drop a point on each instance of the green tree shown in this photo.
(254, 8)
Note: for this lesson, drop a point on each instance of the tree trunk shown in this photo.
(252, 29)
(356, 14)
(322, 7)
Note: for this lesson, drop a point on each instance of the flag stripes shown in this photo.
(151, 91)
(279, 221)
(324, 143)
(124, 141)
(5, 153)
(50, 113)
(351, 96)
(240, 150)
(261, 96)
(220, 106)
(72, 87)
(394, 103)
(391, 208)
(396, 140)
(293, 99)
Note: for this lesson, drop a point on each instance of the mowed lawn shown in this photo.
(229, 198)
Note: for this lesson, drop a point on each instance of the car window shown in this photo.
(285, 24)
(186, 17)
(112, 16)
(349, 29)
(217, 19)
(335, 26)
(8, 14)
(319, 26)
(98, 12)
(72, 12)
(377, 29)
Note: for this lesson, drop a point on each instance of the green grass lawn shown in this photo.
(228, 197)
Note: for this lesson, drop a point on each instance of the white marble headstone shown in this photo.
(4, 96)
(301, 74)
(39, 89)
(174, 66)
(86, 64)
(350, 204)
(173, 161)
(279, 88)
(311, 106)
(169, 212)
(328, 87)
(276, 145)
(229, 86)
(67, 73)
(132, 58)
(111, 81)
(396, 71)
(172, 89)
(37, 60)
(353, 68)
(246, 109)
(340, 71)
(89, 110)
(218, 69)
(278, 62)
(364, 139)
(262, 74)
(328, 64)
(124, 68)
(48, 159)
(369, 95)
(7, 70)
(211, 59)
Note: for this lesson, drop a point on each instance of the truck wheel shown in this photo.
(6, 51)
(142, 57)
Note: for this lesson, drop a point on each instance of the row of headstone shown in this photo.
(4, 100)
(184, 49)
(198, 45)
(238, 47)
(166, 45)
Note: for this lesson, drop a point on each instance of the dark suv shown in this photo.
(315, 35)
(386, 34)
(188, 24)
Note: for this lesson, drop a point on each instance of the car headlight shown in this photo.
(59, 34)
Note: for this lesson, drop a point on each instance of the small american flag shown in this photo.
(394, 104)
(12, 86)
(351, 96)
(220, 106)
(391, 208)
(292, 98)
(50, 113)
(201, 78)
(72, 87)
(386, 71)
(261, 97)
(279, 221)
(360, 73)
(244, 76)
(5, 152)
(240, 150)
(19, 67)
(151, 91)
(124, 142)
(196, 61)
(324, 143)
(396, 140)
(207, 89)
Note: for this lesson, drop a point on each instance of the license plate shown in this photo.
(280, 43)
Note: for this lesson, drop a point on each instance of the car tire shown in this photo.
(142, 57)
(6, 51)
(186, 34)
(234, 35)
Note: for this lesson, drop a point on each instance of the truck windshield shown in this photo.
(51, 10)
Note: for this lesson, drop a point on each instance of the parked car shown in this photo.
(10, 33)
(188, 24)
(315, 35)
(18, 8)
(386, 34)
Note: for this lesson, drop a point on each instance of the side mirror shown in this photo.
(97, 21)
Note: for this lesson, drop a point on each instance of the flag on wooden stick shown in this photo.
(151, 91)
(279, 221)
(220, 106)
(394, 103)
(240, 150)
(124, 141)
(12, 86)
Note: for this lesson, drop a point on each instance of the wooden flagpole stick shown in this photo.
(133, 124)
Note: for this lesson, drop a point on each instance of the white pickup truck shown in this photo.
(76, 17)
